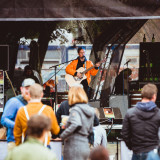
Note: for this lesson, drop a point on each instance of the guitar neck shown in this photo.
(92, 67)
(88, 69)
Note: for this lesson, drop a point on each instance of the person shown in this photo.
(63, 110)
(141, 124)
(99, 153)
(11, 108)
(79, 125)
(34, 106)
(33, 148)
(28, 73)
(81, 61)
(100, 137)
(121, 81)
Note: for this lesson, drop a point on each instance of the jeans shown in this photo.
(140, 156)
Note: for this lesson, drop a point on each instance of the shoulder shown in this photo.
(74, 61)
(13, 104)
(157, 110)
(13, 100)
(64, 104)
(132, 110)
(49, 154)
(89, 62)
(49, 108)
(20, 111)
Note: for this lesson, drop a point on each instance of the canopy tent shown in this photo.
(128, 15)
(77, 9)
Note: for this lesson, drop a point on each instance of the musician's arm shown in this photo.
(70, 68)
(94, 71)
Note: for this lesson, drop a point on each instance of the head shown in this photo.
(28, 71)
(81, 52)
(99, 153)
(25, 88)
(77, 95)
(127, 72)
(38, 126)
(36, 91)
(149, 92)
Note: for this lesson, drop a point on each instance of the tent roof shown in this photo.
(149, 28)
(77, 9)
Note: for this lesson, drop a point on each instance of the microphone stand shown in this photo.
(128, 85)
(55, 67)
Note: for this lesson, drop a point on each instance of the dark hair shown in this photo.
(37, 124)
(149, 90)
(27, 67)
(79, 48)
(99, 153)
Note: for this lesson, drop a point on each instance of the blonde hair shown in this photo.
(35, 91)
(77, 95)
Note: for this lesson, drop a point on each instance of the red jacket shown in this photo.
(71, 69)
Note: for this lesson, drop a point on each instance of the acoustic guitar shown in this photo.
(74, 79)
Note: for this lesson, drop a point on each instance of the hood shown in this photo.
(146, 110)
(146, 106)
(85, 108)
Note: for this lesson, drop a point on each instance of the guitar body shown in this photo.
(74, 79)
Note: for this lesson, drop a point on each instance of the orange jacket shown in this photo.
(71, 69)
(33, 108)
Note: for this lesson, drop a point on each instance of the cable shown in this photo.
(110, 128)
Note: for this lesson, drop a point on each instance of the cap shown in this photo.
(28, 82)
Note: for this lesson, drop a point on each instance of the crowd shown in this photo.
(31, 125)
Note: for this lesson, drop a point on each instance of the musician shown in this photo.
(121, 82)
(81, 61)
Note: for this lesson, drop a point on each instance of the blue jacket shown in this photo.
(10, 111)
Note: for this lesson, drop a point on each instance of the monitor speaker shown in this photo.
(119, 103)
(4, 57)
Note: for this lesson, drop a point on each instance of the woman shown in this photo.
(79, 125)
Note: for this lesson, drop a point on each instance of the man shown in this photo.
(33, 148)
(100, 137)
(81, 61)
(34, 106)
(141, 124)
(28, 73)
(11, 108)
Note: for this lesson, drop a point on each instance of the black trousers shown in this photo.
(85, 86)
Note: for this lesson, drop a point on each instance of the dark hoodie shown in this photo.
(140, 127)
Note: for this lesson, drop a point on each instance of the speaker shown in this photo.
(4, 57)
(95, 104)
(149, 63)
(119, 102)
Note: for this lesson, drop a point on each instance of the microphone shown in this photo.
(128, 61)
